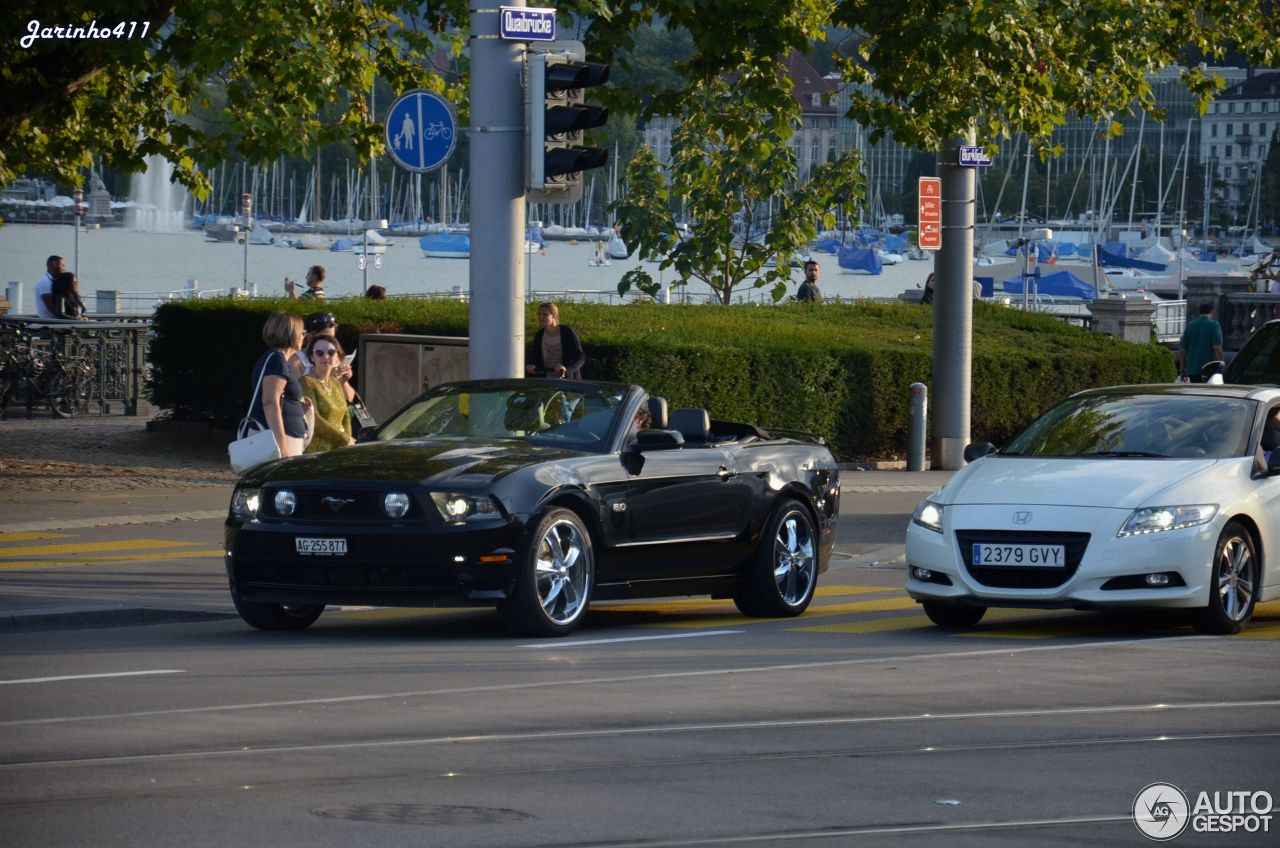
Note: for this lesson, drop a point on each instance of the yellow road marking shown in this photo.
(875, 625)
(37, 563)
(1265, 631)
(816, 611)
(95, 547)
(31, 537)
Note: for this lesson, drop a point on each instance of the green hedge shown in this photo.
(839, 370)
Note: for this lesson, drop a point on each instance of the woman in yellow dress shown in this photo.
(324, 385)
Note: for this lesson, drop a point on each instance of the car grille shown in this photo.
(330, 505)
(1014, 577)
(344, 575)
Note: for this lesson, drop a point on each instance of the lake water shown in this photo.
(132, 262)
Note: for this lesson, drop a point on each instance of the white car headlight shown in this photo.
(396, 505)
(928, 514)
(1157, 519)
(244, 504)
(458, 507)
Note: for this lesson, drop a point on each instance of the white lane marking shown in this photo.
(506, 738)
(92, 676)
(869, 830)
(563, 644)
(113, 521)
(635, 678)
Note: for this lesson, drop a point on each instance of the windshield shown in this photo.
(1181, 426)
(580, 417)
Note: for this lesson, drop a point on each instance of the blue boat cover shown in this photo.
(828, 245)
(1057, 284)
(1107, 259)
(447, 243)
(859, 259)
(342, 244)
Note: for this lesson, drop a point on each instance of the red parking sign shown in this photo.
(929, 234)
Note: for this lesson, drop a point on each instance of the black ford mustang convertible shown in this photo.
(538, 496)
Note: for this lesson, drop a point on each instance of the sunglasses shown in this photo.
(327, 351)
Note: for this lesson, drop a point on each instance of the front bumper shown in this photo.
(1108, 573)
(403, 564)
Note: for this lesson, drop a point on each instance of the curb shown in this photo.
(85, 618)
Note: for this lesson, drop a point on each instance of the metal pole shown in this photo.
(917, 428)
(953, 309)
(365, 263)
(78, 196)
(497, 199)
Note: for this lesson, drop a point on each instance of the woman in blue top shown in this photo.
(280, 406)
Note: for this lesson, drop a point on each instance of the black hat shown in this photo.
(317, 321)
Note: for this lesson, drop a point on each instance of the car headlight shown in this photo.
(285, 502)
(457, 507)
(244, 504)
(396, 505)
(928, 514)
(1157, 519)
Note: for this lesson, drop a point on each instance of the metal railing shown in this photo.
(117, 350)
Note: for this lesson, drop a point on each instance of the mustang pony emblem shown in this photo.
(336, 503)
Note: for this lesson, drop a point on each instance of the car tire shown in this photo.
(953, 615)
(275, 616)
(555, 576)
(782, 575)
(1233, 583)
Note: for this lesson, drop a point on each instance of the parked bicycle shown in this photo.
(44, 376)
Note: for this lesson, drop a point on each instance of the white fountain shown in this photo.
(160, 202)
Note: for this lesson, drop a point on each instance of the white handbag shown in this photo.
(253, 445)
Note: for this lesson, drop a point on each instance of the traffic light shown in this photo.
(557, 116)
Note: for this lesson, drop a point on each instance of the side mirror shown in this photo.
(977, 450)
(650, 440)
(1212, 368)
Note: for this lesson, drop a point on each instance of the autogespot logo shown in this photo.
(1161, 812)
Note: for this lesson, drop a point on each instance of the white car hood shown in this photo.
(1109, 482)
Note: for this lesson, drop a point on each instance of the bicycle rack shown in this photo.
(117, 350)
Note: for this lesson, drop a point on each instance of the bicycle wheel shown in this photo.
(7, 374)
(68, 392)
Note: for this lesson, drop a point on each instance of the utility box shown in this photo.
(393, 369)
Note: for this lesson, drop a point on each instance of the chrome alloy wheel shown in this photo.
(562, 572)
(795, 561)
(1234, 574)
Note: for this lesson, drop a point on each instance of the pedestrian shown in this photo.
(315, 285)
(927, 297)
(376, 293)
(66, 297)
(324, 387)
(556, 349)
(280, 406)
(321, 324)
(53, 266)
(1201, 344)
(809, 291)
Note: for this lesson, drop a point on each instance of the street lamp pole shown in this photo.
(78, 196)
(246, 209)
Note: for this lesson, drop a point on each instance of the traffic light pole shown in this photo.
(497, 200)
(953, 311)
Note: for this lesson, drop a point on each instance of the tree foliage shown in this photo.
(733, 174)
(272, 68)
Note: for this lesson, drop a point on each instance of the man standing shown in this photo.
(809, 291)
(1201, 343)
(44, 286)
(315, 285)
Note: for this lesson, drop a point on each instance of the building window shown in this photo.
(1248, 107)
(1226, 154)
(1213, 151)
(1230, 130)
(1213, 130)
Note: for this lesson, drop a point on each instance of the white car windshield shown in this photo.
(1140, 426)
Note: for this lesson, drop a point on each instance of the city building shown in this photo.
(1235, 137)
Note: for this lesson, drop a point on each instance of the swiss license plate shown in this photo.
(1036, 556)
(321, 547)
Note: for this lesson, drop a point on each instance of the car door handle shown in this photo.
(725, 473)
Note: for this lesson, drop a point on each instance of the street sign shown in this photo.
(421, 130)
(929, 234)
(974, 157)
(524, 23)
(360, 262)
(377, 260)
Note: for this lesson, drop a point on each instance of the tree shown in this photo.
(126, 83)
(733, 172)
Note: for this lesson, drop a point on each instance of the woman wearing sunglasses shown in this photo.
(324, 385)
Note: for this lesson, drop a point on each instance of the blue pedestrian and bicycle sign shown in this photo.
(421, 130)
